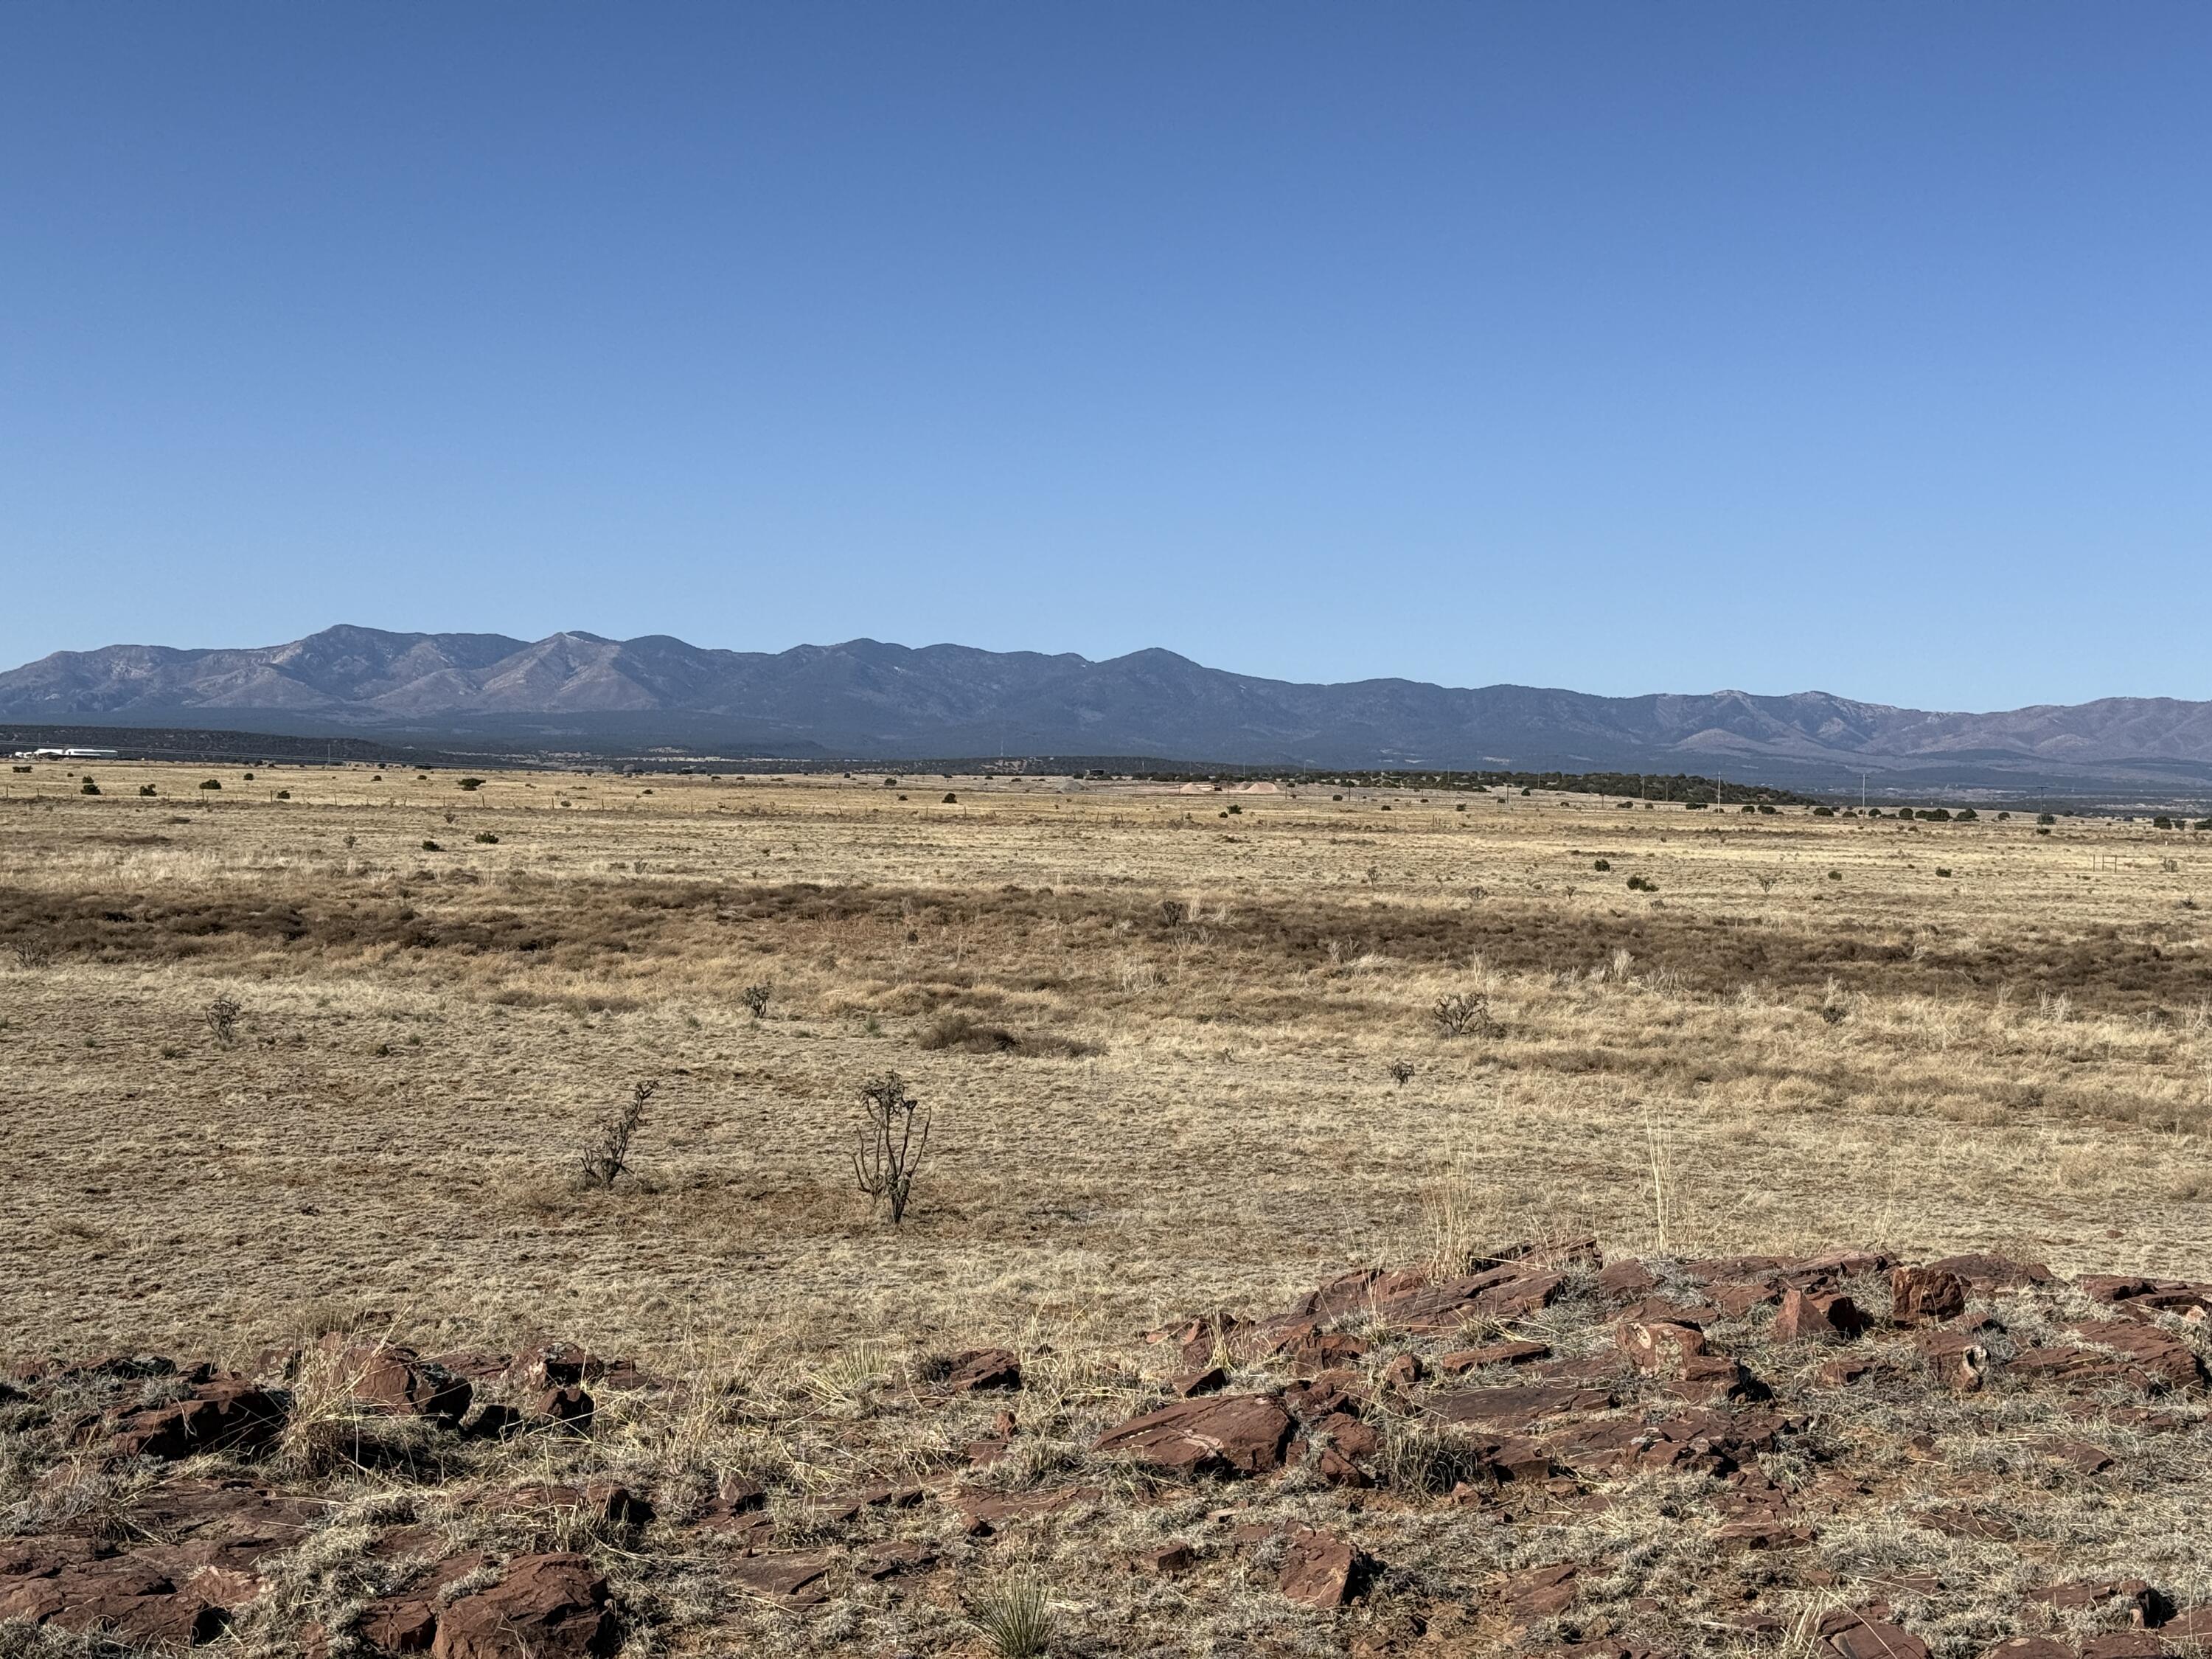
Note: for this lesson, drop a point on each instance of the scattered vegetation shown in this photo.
(221, 1016)
(1464, 1013)
(1014, 1617)
(887, 1157)
(609, 1157)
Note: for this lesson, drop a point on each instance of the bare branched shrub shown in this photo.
(756, 999)
(1173, 912)
(34, 955)
(1402, 1072)
(222, 1019)
(888, 1157)
(611, 1156)
(1465, 1013)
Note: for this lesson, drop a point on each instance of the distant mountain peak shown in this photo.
(872, 699)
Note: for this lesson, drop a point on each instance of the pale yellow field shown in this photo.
(1178, 1059)
(2023, 1056)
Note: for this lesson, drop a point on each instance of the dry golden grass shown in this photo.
(428, 1039)
(1192, 1106)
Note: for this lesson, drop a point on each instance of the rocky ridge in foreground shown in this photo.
(1843, 1456)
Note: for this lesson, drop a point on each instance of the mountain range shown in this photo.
(866, 699)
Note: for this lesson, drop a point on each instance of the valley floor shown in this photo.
(1181, 1051)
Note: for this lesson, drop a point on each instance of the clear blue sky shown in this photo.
(1625, 347)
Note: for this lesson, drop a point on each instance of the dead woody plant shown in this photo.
(887, 1155)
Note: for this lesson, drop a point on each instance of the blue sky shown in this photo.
(1622, 347)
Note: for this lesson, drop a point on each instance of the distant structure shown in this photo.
(66, 754)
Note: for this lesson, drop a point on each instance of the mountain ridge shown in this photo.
(867, 698)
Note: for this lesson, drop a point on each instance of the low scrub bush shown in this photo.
(1465, 1013)
(610, 1156)
(959, 1031)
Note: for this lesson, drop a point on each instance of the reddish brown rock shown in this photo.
(1504, 1292)
(2124, 1644)
(2189, 1628)
(127, 1598)
(792, 1577)
(2162, 1354)
(224, 1414)
(839, 1510)
(1848, 1636)
(1405, 1373)
(984, 1369)
(1240, 1433)
(983, 1513)
(2078, 1368)
(1739, 1297)
(1765, 1535)
(891, 1558)
(1993, 1273)
(386, 1377)
(1658, 1349)
(1956, 1360)
(1831, 1318)
(2032, 1647)
(2079, 1456)
(1925, 1296)
(1514, 1408)
(399, 1625)
(1168, 1561)
(1514, 1459)
(1320, 1570)
(1713, 1378)
(1845, 1369)
(557, 1365)
(2135, 1598)
(608, 1501)
(1212, 1379)
(1621, 1280)
(545, 1607)
(1463, 1360)
(567, 1408)
(1539, 1593)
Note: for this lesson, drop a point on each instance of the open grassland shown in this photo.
(1178, 1059)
